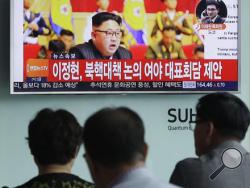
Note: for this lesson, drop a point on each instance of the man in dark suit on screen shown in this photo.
(105, 39)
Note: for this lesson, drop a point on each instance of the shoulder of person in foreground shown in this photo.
(62, 180)
(183, 169)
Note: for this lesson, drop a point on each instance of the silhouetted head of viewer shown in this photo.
(114, 144)
(220, 117)
(54, 139)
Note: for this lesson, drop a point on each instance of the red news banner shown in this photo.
(142, 70)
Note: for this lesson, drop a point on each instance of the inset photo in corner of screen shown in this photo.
(211, 11)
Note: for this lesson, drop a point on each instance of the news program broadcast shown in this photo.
(124, 46)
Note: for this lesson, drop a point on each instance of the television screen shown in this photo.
(124, 46)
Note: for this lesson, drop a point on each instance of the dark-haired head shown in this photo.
(101, 17)
(114, 136)
(228, 113)
(106, 33)
(168, 35)
(199, 48)
(56, 46)
(67, 37)
(199, 52)
(67, 32)
(220, 117)
(54, 137)
(213, 2)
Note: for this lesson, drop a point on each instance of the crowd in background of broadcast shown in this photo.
(56, 28)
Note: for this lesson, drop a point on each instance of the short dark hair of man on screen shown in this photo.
(101, 17)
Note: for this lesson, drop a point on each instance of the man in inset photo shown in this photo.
(105, 39)
(211, 13)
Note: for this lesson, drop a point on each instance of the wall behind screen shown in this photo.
(165, 147)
